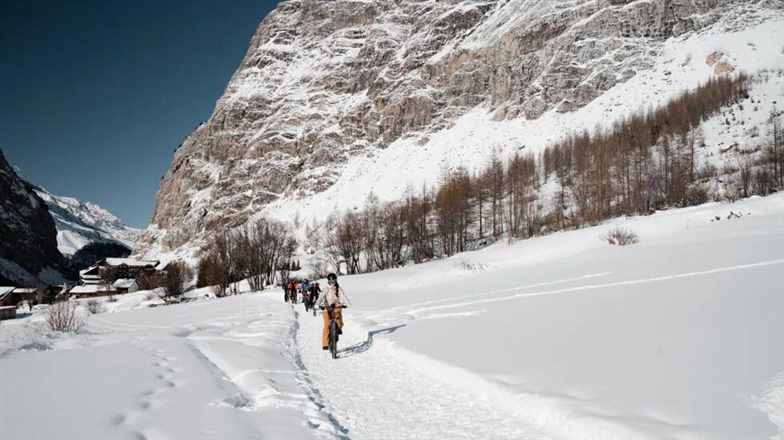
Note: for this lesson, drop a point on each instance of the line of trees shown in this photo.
(254, 252)
(642, 163)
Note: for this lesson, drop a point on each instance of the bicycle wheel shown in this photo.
(333, 339)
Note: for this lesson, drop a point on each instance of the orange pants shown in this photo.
(325, 334)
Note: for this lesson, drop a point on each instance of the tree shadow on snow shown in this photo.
(366, 344)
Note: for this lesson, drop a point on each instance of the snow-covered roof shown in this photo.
(82, 273)
(89, 288)
(5, 290)
(131, 262)
(25, 290)
(124, 283)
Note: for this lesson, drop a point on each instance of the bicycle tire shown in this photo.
(333, 339)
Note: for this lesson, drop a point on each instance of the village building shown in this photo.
(125, 285)
(13, 296)
(88, 290)
(124, 268)
(7, 312)
(5, 295)
(29, 294)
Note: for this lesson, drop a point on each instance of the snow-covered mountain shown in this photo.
(41, 234)
(28, 251)
(337, 99)
(79, 224)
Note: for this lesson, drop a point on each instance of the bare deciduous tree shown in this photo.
(254, 253)
(178, 275)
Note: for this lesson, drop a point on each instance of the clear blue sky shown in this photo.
(97, 94)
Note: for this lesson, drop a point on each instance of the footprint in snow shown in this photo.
(118, 420)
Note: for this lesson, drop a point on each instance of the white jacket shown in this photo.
(333, 296)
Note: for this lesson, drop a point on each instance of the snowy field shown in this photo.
(559, 337)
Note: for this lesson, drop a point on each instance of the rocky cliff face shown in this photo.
(28, 238)
(326, 81)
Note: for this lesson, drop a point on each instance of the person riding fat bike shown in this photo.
(334, 300)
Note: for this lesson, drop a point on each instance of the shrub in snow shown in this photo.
(697, 195)
(621, 237)
(467, 265)
(64, 317)
(94, 307)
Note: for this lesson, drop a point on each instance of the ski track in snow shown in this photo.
(305, 379)
(589, 287)
(487, 293)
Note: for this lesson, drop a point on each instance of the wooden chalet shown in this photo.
(7, 312)
(13, 296)
(126, 271)
(6, 296)
(126, 268)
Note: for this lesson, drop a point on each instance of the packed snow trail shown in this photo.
(381, 392)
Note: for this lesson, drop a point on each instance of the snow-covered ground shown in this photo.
(560, 337)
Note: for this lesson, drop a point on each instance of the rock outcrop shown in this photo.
(324, 81)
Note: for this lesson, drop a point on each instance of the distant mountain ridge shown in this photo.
(81, 223)
(46, 239)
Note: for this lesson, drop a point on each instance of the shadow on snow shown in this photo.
(366, 344)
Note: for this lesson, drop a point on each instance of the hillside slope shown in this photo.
(337, 99)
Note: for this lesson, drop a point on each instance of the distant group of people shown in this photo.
(331, 302)
(305, 292)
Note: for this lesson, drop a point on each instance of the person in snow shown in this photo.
(334, 300)
(306, 299)
(292, 292)
(305, 291)
(315, 291)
